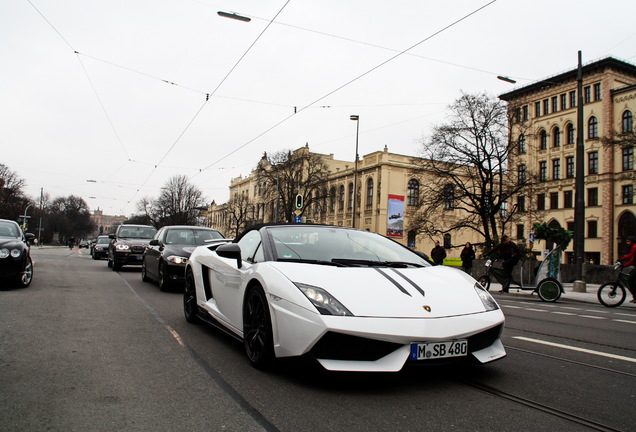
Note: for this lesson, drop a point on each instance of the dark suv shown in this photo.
(127, 245)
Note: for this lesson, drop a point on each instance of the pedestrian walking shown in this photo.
(438, 254)
(629, 260)
(509, 253)
(467, 255)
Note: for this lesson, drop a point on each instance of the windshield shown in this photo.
(192, 237)
(9, 230)
(103, 240)
(137, 232)
(339, 245)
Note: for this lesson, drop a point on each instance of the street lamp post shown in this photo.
(25, 217)
(579, 186)
(355, 118)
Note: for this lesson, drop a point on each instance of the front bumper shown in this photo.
(12, 268)
(127, 258)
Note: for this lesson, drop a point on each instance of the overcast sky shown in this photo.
(127, 93)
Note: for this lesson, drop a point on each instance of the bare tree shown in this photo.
(286, 174)
(12, 198)
(177, 203)
(240, 214)
(464, 166)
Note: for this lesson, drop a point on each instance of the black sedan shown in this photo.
(16, 266)
(165, 257)
(99, 249)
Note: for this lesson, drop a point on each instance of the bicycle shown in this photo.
(613, 294)
(548, 288)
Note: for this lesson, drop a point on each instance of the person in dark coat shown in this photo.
(438, 254)
(509, 253)
(467, 256)
(629, 260)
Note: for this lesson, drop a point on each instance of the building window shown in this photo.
(413, 192)
(370, 193)
(556, 169)
(350, 200)
(521, 173)
(569, 129)
(555, 104)
(568, 201)
(410, 238)
(521, 232)
(522, 144)
(521, 204)
(332, 195)
(628, 158)
(592, 229)
(543, 171)
(592, 197)
(525, 112)
(537, 109)
(628, 122)
(572, 99)
(592, 162)
(449, 197)
(587, 94)
(447, 241)
(541, 202)
(556, 137)
(592, 128)
(546, 106)
(597, 92)
(341, 198)
(543, 140)
(554, 200)
(628, 194)
(564, 101)
(569, 167)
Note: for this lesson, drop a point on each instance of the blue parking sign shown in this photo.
(298, 219)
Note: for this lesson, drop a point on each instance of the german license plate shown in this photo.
(436, 350)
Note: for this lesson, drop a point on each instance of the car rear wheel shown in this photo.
(27, 275)
(144, 275)
(190, 299)
(257, 329)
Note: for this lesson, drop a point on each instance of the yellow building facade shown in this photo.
(543, 130)
(387, 197)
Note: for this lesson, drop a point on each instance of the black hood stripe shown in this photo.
(413, 284)
(394, 282)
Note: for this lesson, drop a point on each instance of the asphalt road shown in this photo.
(85, 348)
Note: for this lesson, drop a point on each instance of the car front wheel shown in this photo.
(257, 329)
(27, 274)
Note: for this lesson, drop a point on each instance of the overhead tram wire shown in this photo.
(208, 97)
(347, 84)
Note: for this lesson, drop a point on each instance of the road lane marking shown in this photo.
(535, 310)
(625, 321)
(592, 316)
(564, 313)
(583, 350)
(572, 308)
(513, 307)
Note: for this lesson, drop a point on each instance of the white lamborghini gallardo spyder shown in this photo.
(352, 299)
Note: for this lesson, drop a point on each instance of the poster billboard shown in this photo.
(395, 223)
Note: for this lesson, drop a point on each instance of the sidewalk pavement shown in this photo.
(589, 296)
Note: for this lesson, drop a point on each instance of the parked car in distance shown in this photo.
(16, 266)
(128, 245)
(99, 248)
(83, 244)
(165, 257)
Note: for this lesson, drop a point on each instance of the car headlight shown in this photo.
(122, 247)
(4, 252)
(485, 297)
(177, 259)
(323, 301)
(15, 253)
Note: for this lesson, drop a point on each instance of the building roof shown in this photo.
(571, 75)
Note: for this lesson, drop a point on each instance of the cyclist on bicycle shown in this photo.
(629, 260)
(509, 253)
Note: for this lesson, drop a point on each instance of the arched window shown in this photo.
(447, 241)
(522, 144)
(626, 227)
(569, 129)
(350, 200)
(413, 192)
(341, 198)
(324, 200)
(369, 192)
(332, 200)
(556, 137)
(628, 122)
(592, 128)
(543, 140)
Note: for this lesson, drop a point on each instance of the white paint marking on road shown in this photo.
(597, 311)
(583, 350)
(592, 316)
(625, 321)
(572, 308)
(624, 314)
(564, 313)
(513, 307)
(535, 310)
